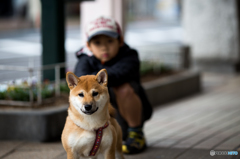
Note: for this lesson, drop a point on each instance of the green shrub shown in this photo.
(47, 93)
(3, 95)
(19, 93)
(64, 87)
(153, 67)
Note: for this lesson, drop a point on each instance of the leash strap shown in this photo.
(99, 133)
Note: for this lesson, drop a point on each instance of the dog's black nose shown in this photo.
(88, 107)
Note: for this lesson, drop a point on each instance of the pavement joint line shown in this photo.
(174, 132)
(206, 128)
(154, 124)
(183, 119)
(167, 108)
(60, 155)
(8, 153)
(197, 119)
(224, 131)
(187, 149)
(185, 128)
(235, 134)
(170, 116)
(237, 148)
(167, 125)
(190, 124)
(216, 133)
(214, 94)
(13, 150)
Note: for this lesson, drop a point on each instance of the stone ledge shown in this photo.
(46, 124)
(36, 125)
(174, 87)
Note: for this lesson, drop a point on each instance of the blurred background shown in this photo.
(39, 40)
(149, 26)
(196, 41)
(158, 29)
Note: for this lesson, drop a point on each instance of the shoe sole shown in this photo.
(137, 152)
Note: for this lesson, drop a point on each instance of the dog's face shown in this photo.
(88, 94)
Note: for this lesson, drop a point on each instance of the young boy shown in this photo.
(107, 50)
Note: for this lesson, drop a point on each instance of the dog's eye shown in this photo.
(81, 95)
(95, 93)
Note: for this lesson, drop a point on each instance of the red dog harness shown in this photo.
(99, 133)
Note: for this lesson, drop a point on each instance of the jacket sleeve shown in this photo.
(83, 67)
(125, 70)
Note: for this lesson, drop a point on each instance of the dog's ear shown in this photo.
(72, 80)
(102, 77)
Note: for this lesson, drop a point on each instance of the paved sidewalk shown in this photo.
(185, 129)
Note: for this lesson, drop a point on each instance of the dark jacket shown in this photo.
(121, 69)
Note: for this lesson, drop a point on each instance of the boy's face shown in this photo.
(104, 47)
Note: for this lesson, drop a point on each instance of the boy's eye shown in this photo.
(95, 93)
(96, 42)
(81, 95)
(110, 41)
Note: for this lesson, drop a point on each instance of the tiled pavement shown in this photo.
(185, 129)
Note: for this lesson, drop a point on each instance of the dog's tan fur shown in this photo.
(79, 132)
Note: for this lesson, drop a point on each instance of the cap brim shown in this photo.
(107, 33)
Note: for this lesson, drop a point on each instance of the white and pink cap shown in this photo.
(103, 26)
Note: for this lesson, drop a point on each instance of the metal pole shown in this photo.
(185, 57)
(31, 65)
(31, 97)
(53, 35)
(39, 92)
(57, 80)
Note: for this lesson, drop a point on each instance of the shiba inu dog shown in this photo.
(90, 115)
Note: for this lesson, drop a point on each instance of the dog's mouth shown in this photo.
(89, 112)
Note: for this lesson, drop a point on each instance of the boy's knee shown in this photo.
(124, 91)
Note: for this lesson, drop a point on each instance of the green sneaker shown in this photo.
(134, 144)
